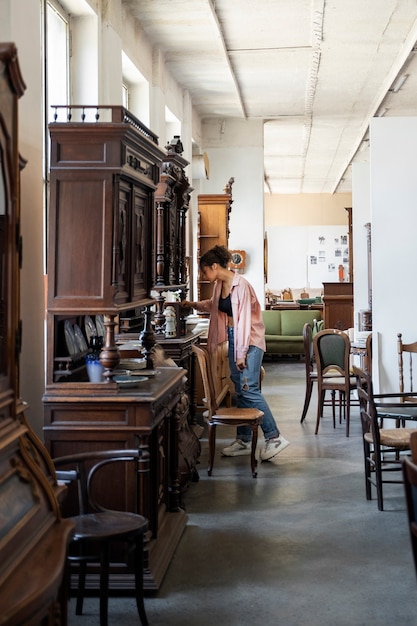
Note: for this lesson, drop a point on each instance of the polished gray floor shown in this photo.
(299, 545)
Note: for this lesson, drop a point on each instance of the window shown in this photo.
(57, 58)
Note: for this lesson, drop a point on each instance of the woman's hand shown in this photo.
(241, 364)
(186, 304)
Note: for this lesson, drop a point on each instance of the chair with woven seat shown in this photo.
(224, 416)
(97, 527)
(382, 446)
(332, 356)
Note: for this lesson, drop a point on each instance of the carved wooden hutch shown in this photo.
(105, 255)
(33, 536)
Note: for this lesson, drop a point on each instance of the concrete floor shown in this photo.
(299, 545)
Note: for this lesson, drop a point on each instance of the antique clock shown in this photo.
(238, 261)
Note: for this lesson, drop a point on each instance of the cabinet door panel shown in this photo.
(121, 238)
(80, 229)
(141, 238)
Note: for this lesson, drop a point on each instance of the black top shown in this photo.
(225, 305)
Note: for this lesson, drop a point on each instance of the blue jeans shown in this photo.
(248, 394)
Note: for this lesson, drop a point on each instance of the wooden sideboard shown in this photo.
(338, 305)
(148, 417)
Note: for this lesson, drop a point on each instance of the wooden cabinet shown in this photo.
(100, 225)
(33, 536)
(338, 305)
(148, 418)
(213, 228)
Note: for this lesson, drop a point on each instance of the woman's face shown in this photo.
(210, 272)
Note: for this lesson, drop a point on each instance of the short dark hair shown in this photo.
(218, 254)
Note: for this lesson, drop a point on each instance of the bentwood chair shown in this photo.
(410, 488)
(311, 370)
(332, 356)
(382, 447)
(97, 528)
(224, 416)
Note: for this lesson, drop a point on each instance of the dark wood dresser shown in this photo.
(148, 417)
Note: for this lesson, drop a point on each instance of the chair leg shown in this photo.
(342, 406)
(366, 456)
(347, 405)
(253, 461)
(212, 446)
(378, 480)
(104, 583)
(320, 404)
(333, 394)
(309, 389)
(139, 580)
(81, 584)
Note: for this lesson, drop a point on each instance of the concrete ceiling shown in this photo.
(316, 72)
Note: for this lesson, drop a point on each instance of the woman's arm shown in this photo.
(204, 306)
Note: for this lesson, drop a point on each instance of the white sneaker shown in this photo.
(237, 448)
(273, 447)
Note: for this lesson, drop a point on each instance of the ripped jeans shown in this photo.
(248, 394)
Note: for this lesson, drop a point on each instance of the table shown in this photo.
(390, 405)
(359, 349)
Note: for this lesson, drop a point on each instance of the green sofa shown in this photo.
(284, 330)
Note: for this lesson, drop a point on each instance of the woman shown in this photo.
(235, 315)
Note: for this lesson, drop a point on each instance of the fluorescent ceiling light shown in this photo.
(398, 83)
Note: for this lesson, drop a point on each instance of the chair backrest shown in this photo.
(413, 446)
(206, 377)
(87, 479)
(368, 410)
(406, 374)
(331, 352)
(368, 347)
(308, 348)
(363, 385)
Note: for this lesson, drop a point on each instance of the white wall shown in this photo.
(292, 221)
(306, 256)
(394, 250)
(361, 215)
(236, 150)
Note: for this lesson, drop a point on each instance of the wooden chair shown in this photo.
(311, 371)
(97, 527)
(224, 416)
(410, 487)
(382, 446)
(368, 357)
(406, 377)
(332, 353)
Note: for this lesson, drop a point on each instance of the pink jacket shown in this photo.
(247, 317)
